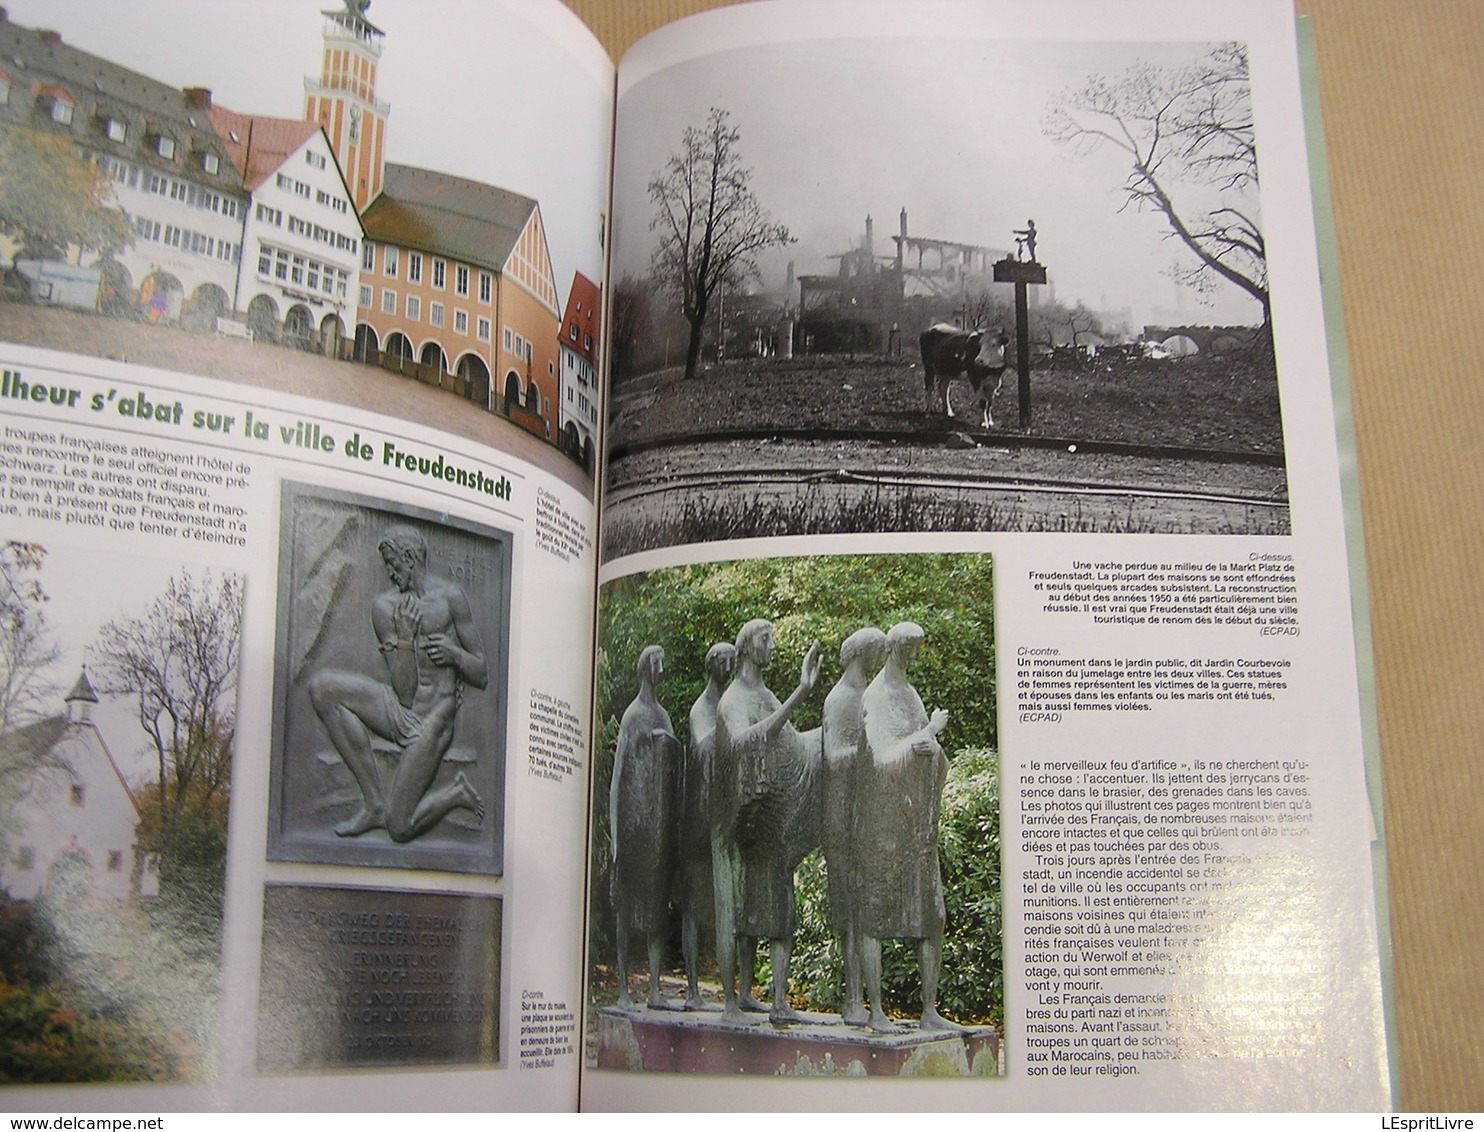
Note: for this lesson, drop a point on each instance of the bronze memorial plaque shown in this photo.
(368, 976)
(390, 696)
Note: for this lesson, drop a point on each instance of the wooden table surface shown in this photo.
(1402, 88)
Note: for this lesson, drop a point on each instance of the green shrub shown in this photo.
(972, 986)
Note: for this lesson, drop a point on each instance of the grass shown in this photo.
(825, 509)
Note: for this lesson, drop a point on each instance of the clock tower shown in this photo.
(343, 100)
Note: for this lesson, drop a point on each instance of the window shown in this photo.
(389, 302)
(389, 262)
(283, 182)
(297, 274)
(165, 147)
(572, 332)
(315, 159)
(439, 272)
(435, 314)
(321, 197)
(272, 216)
(485, 285)
(211, 163)
(114, 129)
(461, 280)
(368, 256)
(587, 341)
(414, 267)
(61, 112)
(77, 793)
(414, 308)
(509, 340)
(484, 330)
(461, 322)
(364, 299)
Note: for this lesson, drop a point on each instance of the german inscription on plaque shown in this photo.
(366, 977)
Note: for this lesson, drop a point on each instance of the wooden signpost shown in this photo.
(1022, 273)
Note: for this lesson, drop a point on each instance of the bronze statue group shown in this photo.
(738, 808)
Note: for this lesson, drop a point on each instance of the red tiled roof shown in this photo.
(582, 312)
(258, 145)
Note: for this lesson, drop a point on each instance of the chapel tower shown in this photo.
(343, 100)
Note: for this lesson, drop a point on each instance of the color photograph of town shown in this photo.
(321, 221)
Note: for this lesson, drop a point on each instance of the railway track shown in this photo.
(783, 477)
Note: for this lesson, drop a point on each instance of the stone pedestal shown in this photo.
(821, 1046)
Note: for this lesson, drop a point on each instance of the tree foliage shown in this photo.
(178, 661)
(972, 987)
(711, 226)
(27, 648)
(52, 200)
(1189, 137)
(689, 609)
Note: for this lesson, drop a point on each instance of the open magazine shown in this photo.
(820, 553)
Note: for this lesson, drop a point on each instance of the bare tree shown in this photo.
(1189, 137)
(629, 324)
(179, 662)
(710, 224)
(27, 649)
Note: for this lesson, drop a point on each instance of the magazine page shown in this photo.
(977, 694)
(297, 433)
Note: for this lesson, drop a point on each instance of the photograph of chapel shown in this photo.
(127, 197)
(118, 707)
(795, 831)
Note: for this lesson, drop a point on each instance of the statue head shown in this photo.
(721, 659)
(651, 665)
(868, 644)
(903, 640)
(404, 551)
(755, 641)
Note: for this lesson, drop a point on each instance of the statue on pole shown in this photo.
(899, 796)
(641, 821)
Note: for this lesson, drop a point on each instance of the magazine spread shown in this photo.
(858, 588)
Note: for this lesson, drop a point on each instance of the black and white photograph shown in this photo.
(1028, 295)
(390, 686)
(118, 717)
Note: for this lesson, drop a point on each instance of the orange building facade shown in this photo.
(455, 274)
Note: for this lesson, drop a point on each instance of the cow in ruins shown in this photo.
(977, 356)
